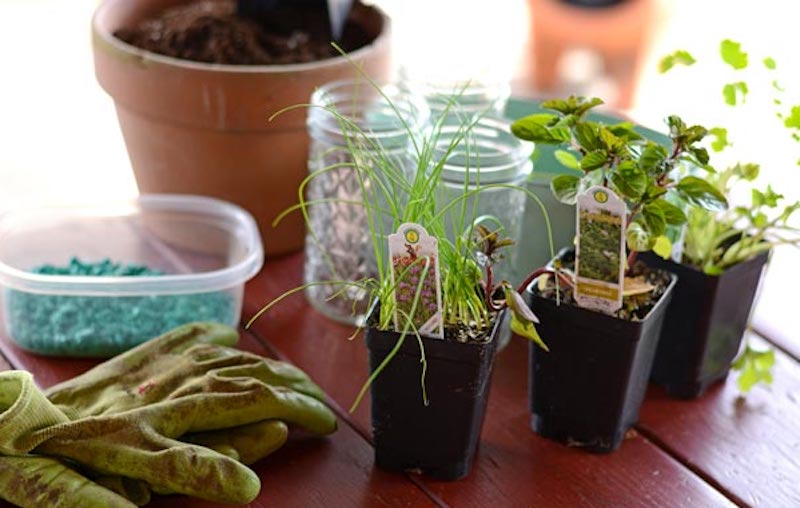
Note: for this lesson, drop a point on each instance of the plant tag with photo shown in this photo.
(416, 277)
(600, 252)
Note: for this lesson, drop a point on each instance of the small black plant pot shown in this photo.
(440, 439)
(587, 390)
(705, 324)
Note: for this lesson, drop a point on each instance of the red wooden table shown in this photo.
(720, 450)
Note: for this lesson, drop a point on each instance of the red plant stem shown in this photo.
(632, 258)
(489, 286)
(540, 271)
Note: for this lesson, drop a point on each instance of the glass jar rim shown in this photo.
(488, 153)
(381, 112)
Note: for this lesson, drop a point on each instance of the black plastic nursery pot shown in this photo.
(704, 325)
(439, 439)
(587, 390)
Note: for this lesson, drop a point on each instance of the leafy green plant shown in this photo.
(470, 296)
(644, 173)
(715, 242)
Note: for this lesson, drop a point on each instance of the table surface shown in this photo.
(719, 450)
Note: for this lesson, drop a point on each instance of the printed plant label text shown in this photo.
(416, 278)
(600, 251)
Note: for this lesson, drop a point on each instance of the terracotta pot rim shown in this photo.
(143, 55)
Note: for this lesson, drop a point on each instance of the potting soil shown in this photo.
(102, 326)
(634, 308)
(213, 32)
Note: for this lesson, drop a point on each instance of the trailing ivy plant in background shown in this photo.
(715, 242)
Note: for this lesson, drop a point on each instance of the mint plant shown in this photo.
(644, 173)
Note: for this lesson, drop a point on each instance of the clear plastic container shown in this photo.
(204, 248)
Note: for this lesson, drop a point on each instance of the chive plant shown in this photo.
(471, 298)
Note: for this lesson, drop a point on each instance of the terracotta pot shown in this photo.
(200, 128)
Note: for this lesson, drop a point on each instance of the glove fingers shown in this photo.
(33, 482)
(167, 465)
(275, 373)
(231, 402)
(101, 390)
(247, 443)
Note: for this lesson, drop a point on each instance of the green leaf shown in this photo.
(536, 128)
(676, 126)
(654, 218)
(701, 154)
(768, 198)
(522, 325)
(663, 247)
(652, 156)
(673, 215)
(680, 56)
(638, 238)
(748, 171)
(587, 136)
(562, 106)
(769, 63)
(732, 92)
(565, 188)
(572, 106)
(594, 160)
(653, 191)
(625, 131)
(701, 193)
(587, 105)
(694, 134)
(732, 54)
(629, 179)
(720, 135)
(754, 367)
(609, 140)
(567, 159)
(793, 120)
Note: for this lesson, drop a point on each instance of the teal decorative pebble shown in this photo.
(103, 326)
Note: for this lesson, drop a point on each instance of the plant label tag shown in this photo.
(600, 251)
(414, 256)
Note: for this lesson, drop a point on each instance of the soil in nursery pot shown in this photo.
(635, 307)
(212, 32)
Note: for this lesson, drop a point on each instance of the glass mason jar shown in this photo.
(358, 135)
(488, 156)
(460, 98)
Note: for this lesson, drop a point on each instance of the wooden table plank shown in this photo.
(749, 447)
(307, 471)
(514, 466)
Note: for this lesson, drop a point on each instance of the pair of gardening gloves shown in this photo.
(182, 413)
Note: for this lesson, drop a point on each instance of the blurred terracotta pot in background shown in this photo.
(201, 128)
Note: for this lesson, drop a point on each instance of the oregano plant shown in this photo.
(717, 241)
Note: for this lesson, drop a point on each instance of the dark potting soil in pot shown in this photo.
(635, 307)
(212, 32)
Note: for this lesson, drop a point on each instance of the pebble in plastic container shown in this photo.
(201, 251)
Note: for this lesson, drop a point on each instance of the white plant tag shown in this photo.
(600, 252)
(414, 256)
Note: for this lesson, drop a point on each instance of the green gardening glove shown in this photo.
(141, 444)
(42, 482)
(187, 358)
